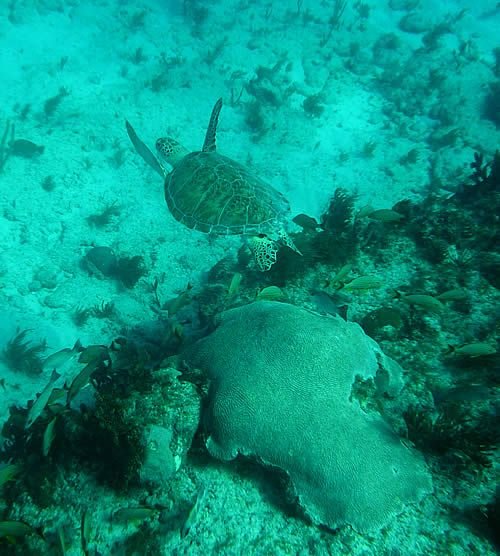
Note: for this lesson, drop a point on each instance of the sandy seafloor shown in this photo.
(148, 62)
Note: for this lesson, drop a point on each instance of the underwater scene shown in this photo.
(249, 277)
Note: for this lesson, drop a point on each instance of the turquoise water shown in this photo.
(342, 206)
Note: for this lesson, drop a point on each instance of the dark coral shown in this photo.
(129, 270)
(461, 440)
(461, 231)
(23, 355)
(337, 241)
(491, 106)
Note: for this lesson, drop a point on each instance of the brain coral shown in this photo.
(281, 380)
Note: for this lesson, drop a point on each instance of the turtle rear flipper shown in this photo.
(144, 151)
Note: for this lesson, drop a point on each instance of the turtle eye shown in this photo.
(261, 236)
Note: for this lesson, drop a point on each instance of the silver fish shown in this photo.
(192, 516)
(8, 472)
(363, 283)
(40, 403)
(90, 353)
(58, 359)
(82, 379)
(85, 533)
(16, 529)
(48, 437)
(476, 349)
(425, 301)
(456, 294)
(139, 513)
(385, 215)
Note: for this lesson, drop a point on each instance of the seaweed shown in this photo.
(81, 315)
(313, 105)
(197, 14)
(368, 149)
(339, 215)
(24, 355)
(112, 437)
(337, 242)
(105, 310)
(462, 441)
(129, 270)
(118, 156)
(5, 144)
(105, 216)
(375, 321)
(460, 231)
(52, 103)
(48, 183)
(491, 105)
(254, 118)
(335, 20)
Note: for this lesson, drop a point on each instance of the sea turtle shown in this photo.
(212, 193)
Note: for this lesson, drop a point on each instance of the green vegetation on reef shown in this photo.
(24, 355)
(461, 441)
(429, 325)
(103, 262)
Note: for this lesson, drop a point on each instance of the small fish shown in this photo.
(56, 395)
(466, 393)
(493, 12)
(82, 379)
(476, 349)
(177, 303)
(456, 294)
(48, 437)
(192, 516)
(17, 529)
(61, 539)
(271, 293)
(331, 304)
(177, 330)
(40, 403)
(58, 359)
(85, 533)
(26, 148)
(363, 283)
(365, 211)
(338, 279)
(234, 286)
(306, 222)
(8, 472)
(90, 353)
(376, 320)
(128, 515)
(422, 300)
(385, 215)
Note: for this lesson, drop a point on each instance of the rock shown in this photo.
(159, 463)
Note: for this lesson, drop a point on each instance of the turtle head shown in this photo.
(169, 150)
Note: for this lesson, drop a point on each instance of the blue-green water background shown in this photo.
(315, 98)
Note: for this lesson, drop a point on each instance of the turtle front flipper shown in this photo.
(144, 151)
(287, 240)
(209, 145)
(264, 250)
